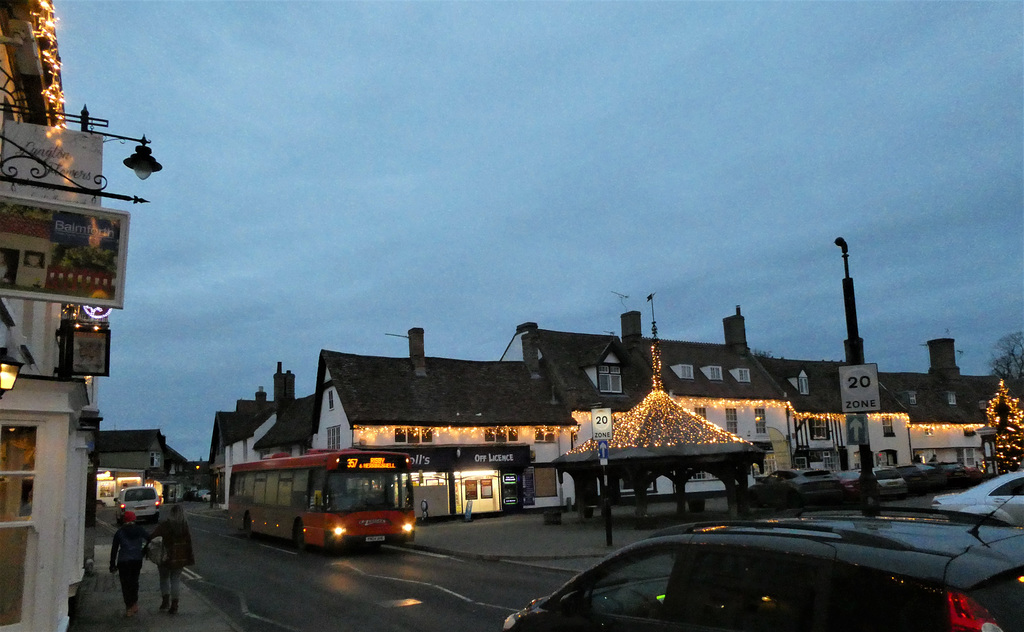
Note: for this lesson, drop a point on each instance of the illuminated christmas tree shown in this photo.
(1004, 414)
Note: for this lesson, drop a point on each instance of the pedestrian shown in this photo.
(126, 559)
(177, 554)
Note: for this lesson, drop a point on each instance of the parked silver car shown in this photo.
(891, 483)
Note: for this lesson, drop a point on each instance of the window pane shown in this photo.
(15, 497)
(13, 543)
(18, 449)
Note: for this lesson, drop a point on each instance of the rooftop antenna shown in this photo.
(622, 298)
(396, 335)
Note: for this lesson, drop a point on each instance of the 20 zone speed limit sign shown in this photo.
(858, 386)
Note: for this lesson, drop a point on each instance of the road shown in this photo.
(265, 585)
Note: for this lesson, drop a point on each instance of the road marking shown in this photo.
(428, 585)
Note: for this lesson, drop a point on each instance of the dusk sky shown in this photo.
(334, 172)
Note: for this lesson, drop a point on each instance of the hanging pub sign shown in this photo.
(51, 156)
(61, 252)
(85, 350)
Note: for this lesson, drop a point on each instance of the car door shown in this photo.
(1010, 498)
(628, 592)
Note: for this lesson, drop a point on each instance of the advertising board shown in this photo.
(62, 252)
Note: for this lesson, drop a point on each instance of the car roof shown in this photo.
(944, 547)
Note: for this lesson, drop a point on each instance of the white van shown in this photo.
(144, 501)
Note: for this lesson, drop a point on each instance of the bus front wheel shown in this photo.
(299, 536)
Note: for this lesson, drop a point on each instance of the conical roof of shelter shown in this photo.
(659, 422)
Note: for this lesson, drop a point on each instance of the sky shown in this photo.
(336, 173)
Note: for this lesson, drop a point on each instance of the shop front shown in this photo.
(471, 479)
(110, 482)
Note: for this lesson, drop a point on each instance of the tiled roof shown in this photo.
(294, 425)
(931, 392)
(823, 394)
(385, 391)
(237, 426)
(700, 354)
(127, 440)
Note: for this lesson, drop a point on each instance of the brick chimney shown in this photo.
(531, 355)
(631, 328)
(284, 386)
(942, 353)
(261, 397)
(419, 361)
(736, 333)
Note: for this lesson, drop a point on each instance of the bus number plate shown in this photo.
(374, 538)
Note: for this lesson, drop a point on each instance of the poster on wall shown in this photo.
(61, 252)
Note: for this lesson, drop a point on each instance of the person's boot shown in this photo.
(174, 607)
(165, 603)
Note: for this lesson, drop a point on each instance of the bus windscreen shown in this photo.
(368, 491)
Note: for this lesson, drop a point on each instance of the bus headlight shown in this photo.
(407, 527)
(339, 531)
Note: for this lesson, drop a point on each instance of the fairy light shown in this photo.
(46, 30)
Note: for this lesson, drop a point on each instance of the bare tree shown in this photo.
(1008, 356)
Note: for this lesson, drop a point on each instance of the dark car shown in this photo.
(797, 488)
(837, 572)
(956, 475)
(923, 479)
(850, 480)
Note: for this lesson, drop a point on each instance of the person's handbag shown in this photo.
(155, 551)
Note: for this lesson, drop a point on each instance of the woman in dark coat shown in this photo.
(126, 559)
(177, 554)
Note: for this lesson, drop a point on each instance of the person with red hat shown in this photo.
(126, 555)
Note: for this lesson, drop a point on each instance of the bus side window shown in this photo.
(300, 489)
(316, 489)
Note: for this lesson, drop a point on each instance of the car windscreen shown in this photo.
(140, 494)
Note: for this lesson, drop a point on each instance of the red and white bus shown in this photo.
(326, 498)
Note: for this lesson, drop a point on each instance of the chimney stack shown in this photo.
(736, 333)
(531, 355)
(419, 361)
(284, 386)
(261, 397)
(942, 353)
(631, 327)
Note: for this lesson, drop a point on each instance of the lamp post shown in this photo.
(869, 498)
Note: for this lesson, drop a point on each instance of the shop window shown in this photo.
(17, 478)
(471, 490)
(487, 488)
(17, 468)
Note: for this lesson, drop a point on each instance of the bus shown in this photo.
(326, 498)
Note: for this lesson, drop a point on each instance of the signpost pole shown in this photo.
(869, 500)
(601, 420)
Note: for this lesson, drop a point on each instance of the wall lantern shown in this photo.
(9, 369)
(142, 161)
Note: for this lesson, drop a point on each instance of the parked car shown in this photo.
(797, 488)
(842, 572)
(203, 495)
(1002, 497)
(921, 478)
(890, 483)
(143, 500)
(850, 480)
(956, 475)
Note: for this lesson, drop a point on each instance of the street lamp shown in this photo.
(869, 497)
(142, 161)
(9, 369)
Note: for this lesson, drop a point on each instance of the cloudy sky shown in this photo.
(337, 171)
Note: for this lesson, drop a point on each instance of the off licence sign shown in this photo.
(858, 387)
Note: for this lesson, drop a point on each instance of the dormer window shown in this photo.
(912, 398)
(609, 379)
(712, 372)
(803, 385)
(683, 371)
(741, 375)
(951, 398)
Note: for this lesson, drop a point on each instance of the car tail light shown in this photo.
(967, 615)
(158, 502)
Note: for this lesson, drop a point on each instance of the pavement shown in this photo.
(573, 544)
